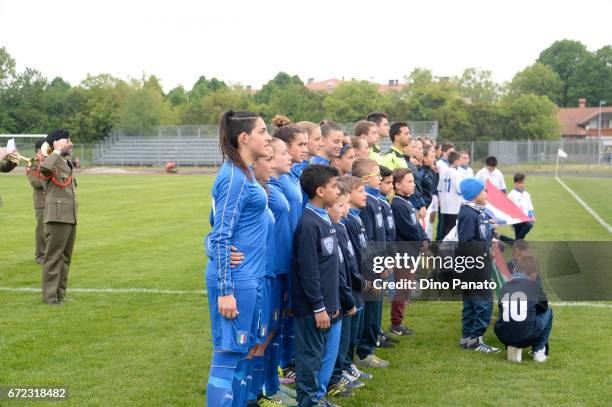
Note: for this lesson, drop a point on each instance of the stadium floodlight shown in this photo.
(601, 103)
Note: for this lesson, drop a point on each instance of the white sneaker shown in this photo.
(515, 354)
(371, 361)
(540, 356)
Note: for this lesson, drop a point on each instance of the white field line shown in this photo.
(199, 292)
(585, 206)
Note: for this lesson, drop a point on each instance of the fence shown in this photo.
(198, 146)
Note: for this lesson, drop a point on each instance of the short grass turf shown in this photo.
(154, 349)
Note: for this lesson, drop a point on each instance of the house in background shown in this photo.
(583, 122)
(330, 84)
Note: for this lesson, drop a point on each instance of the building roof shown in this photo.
(326, 85)
(330, 84)
(574, 119)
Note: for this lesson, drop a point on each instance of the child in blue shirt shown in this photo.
(474, 228)
(358, 242)
(373, 220)
(524, 316)
(408, 230)
(348, 267)
(315, 290)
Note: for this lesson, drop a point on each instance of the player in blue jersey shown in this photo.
(281, 209)
(277, 255)
(234, 294)
(296, 141)
(344, 162)
(315, 139)
(332, 143)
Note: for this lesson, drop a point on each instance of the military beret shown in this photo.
(57, 135)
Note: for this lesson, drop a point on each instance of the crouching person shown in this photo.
(524, 316)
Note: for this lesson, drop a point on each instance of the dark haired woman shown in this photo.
(296, 140)
(235, 293)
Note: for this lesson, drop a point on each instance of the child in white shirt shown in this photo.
(522, 199)
(490, 172)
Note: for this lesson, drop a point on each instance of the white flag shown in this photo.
(561, 153)
(10, 146)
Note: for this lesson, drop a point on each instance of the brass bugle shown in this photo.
(17, 158)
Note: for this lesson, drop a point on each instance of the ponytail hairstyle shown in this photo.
(232, 125)
(327, 126)
(285, 129)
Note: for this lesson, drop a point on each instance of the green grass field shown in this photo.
(153, 349)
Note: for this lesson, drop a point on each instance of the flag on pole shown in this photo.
(561, 153)
(502, 209)
(500, 274)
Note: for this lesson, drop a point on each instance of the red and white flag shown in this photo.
(502, 209)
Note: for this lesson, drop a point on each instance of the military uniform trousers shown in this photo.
(59, 239)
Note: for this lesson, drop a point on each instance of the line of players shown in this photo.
(284, 278)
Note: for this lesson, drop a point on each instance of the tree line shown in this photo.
(470, 106)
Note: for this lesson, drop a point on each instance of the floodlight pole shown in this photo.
(601, 103)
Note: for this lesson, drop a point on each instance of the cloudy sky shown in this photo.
(250, 41)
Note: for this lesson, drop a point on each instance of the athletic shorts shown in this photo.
(273, 302)
(242, 333)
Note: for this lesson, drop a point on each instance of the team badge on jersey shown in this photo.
(390, 222)
(362, 240)
(379, 220)
(328, 244)
(413, 218)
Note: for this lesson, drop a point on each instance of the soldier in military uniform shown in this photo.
(60, 216)
(38, 195)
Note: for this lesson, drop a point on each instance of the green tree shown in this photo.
(477, 85)
(531, 117)
(177, 96)
(7, 68)
(25, 105)
(204, 87)
(281, 81)
(563, 57)
(592, 78)
(141, 111)
(102, 98)
(487, 121)
(295, 101)
(351, 101)
(213, 105)
(538, 79)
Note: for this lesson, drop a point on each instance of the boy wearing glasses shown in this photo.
(372, 217)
